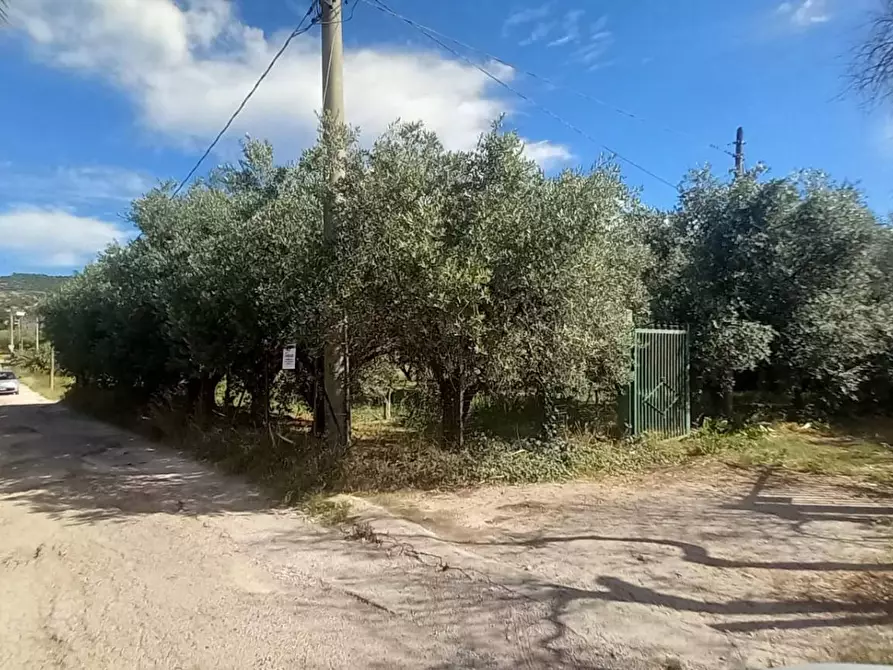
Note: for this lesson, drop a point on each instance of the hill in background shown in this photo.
(23, 291)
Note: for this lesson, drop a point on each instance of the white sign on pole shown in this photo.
(289, 356)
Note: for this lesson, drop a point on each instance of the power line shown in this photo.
(555, 84)
(377, 4)
(299, 30)
(349, 18)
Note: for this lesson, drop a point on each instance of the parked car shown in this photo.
(9, 383)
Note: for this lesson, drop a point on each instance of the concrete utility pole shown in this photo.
(739, 153)
(52, 367)
(37, 335)
(12, 334)
(335, 356)
(21, 315)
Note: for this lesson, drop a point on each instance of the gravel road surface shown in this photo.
(118, 553)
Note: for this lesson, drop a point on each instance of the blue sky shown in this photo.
(104, 97)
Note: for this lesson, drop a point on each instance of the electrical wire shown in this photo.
(299, 30)
(555, 84)
(377, 4)
(353, 11)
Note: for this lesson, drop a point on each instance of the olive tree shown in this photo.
(772, 276)
(482, 274)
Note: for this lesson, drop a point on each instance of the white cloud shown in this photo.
(81, 184)
(596, 44)
(805, 13)
(540, 32)
(588, 46)
(55, 237)
(546, 154)
(527, 15)
(571, 26)
(187, 65)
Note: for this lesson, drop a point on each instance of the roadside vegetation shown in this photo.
(32, 367)
(39, 381)
(489, 309)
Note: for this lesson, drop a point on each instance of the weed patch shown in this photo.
(325, 510)
(294, 466)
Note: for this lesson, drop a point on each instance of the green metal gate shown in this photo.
(658, 400)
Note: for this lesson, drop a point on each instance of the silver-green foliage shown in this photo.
(472, 269)
(782, 277)
(486, 275)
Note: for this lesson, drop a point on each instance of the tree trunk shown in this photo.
(550, 423)
(727, 392)
(728, 403)
(228, 396)
(260, 401)
(207, 401)
(193, 393)
(387, 405)
(467, 398)
(319, 409)
(452, 404)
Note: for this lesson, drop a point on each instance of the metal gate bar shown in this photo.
(658, 398)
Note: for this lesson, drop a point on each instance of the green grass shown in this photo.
(327, 511)
(849, 451)
(40, 383)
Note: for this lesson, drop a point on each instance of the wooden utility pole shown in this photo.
(335, 354)
(739, 152)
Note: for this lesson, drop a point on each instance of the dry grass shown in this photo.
(811, 449)
(865, 588)
(389, 458)
(386, 456)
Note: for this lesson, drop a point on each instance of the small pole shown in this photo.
(739, 152)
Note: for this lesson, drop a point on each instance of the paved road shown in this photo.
(115, 553)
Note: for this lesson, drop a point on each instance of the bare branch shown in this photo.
(872, 71)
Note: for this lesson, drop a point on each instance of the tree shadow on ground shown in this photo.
(694, 553)
(877, 613)
(782, 507)
(84, 471)
(823, 505)
(869, 606)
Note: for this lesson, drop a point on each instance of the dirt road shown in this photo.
(117, 554)
(711, 567)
